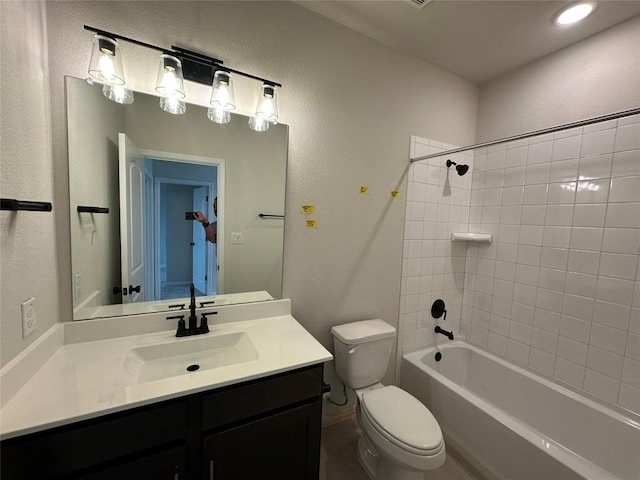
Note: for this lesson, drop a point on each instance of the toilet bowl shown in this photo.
(400, 439)
(400, 434)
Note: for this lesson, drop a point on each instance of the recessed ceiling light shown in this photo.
(574, 13)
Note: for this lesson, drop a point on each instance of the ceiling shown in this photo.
(476, 39)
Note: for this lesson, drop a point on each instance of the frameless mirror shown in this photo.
(135, 175)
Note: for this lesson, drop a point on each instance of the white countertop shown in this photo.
(84, 380)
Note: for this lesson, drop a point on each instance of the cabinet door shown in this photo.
(167, 464)
(284, 446)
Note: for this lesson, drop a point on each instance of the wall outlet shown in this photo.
(28, 317)
(77, 286)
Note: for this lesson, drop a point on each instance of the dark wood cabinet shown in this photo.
(267, 428)
(280, 447)
(167, 464)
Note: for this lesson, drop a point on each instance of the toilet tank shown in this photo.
(362, 351)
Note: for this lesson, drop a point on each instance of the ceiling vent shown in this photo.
(419, 4)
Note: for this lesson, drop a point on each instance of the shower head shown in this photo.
(461, 169)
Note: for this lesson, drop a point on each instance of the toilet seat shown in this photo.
(402, 420)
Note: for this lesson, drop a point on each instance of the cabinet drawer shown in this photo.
(257, 397)
(63, 450)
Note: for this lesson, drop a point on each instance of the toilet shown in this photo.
(400, 440)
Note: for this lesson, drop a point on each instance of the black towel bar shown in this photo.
(13, 204)
(85, 209)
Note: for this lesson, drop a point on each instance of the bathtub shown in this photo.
(511, 424)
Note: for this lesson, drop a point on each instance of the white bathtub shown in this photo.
(514, 425)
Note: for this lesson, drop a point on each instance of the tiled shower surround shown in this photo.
(558, 290)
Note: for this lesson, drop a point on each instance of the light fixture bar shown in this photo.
(197, 67)
(126, 39)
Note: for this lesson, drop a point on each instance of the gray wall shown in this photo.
(28, 240)
(597, 76)
(346, 130)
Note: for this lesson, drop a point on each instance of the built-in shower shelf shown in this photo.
(471, 237)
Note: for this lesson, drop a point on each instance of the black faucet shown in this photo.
(447, 334)
(193, 328)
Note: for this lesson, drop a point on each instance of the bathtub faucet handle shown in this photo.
(447, 334)
(438, 309)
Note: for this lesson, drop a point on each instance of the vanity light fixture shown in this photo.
(170, 85)
(170, 81)
(267, 109)
(173, 105)
(223, 98)
(105, 65)
(222, 94)
(258, 124)
(177, 65)
(267, 104)
(118, 93)
(219, 115)
(575, 12)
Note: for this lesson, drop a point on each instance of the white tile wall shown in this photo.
(559, 289)
(438, 202)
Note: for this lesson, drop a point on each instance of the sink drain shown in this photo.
(193, 368)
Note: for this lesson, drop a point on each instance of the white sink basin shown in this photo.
(180, 357)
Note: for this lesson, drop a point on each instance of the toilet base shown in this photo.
(367, 457)
(378, 468)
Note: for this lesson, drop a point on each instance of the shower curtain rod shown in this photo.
(566, 126)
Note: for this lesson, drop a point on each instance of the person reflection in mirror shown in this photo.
(211, 229)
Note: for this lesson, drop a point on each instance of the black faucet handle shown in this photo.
(204, 325)
(182, 327)
(208, 302)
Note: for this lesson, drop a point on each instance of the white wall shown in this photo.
(597, 76)
(28, 239)
(351, 103)
(433, 267)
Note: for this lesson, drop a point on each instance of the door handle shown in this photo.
(192, 244)
(134, 289)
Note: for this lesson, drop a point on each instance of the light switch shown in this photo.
(236, 238)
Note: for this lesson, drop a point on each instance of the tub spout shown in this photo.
(447, 334)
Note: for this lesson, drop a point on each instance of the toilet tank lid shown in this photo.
(363, 331)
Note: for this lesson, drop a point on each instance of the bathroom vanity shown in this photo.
(257, 417)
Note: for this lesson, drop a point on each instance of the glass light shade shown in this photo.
(222, 96)
(575, 13)
(258, 124)
(219, 115)
(267, 104)
(106, 62)
(173, 105)
(170, 82)
(118, 94)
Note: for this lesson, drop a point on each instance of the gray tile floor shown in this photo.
(338, 460)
